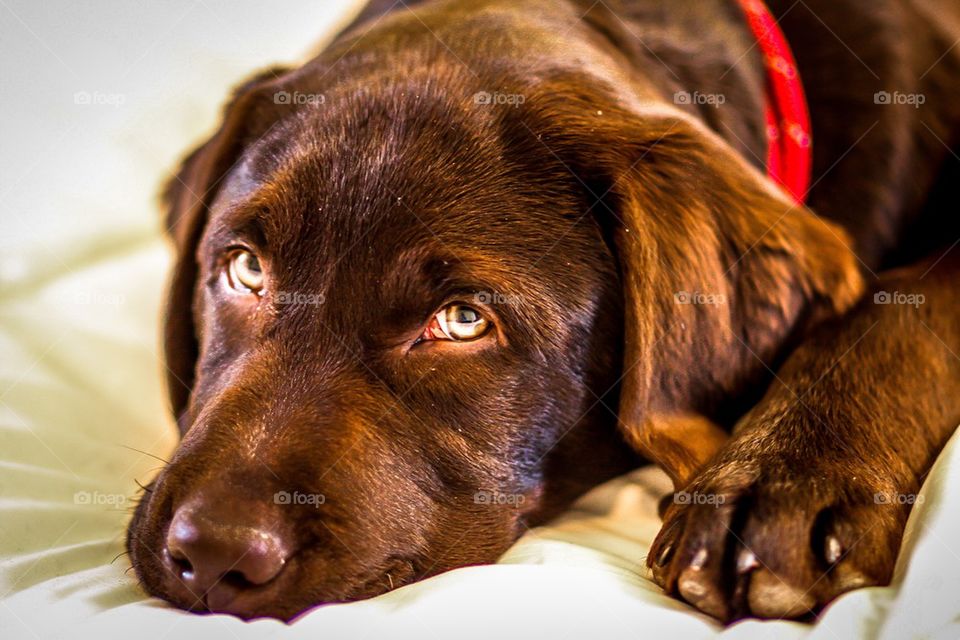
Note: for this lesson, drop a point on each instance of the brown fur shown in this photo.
(589, 207)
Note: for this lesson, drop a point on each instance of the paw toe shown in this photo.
(771, 597)
(699, 584)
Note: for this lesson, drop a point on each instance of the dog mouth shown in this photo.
(234, 596)
(395, 573)
(293, 592)
(390, 576)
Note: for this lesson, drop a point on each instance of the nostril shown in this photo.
(220, 557)
(237, 579)
(181, 565)
(179, 540)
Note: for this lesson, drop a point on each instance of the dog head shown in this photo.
(406, 322)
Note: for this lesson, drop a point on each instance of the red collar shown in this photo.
(789, 157)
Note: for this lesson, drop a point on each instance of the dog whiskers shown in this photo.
(146, 453)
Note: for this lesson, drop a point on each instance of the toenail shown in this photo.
(833, 550)
(747, 561)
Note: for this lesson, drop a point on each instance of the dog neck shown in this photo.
(703, 56)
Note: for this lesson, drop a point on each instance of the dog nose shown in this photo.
(219, 559)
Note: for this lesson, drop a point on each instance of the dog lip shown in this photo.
(394, 573)
(219, 600)
(222, 598)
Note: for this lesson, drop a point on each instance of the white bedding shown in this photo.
(82, 267)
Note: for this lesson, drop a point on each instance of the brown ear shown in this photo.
(720, 271)
(187, 196)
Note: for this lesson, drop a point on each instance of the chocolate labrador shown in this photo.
(476, 258)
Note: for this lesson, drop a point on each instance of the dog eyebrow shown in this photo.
(245, 220)
(426, 278)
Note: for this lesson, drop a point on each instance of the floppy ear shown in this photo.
(186, 197)
(720, 270)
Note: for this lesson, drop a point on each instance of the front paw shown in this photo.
(774, 537)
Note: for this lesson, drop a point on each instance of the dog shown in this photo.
(476, 258)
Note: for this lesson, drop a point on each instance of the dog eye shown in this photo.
(457, 322)
(244, 272)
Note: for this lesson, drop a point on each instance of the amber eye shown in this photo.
(244, 272)
(458, 322)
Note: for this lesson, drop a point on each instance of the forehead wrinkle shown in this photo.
(247, 203)
(359, 174)
(406, 122)
(439, 268)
